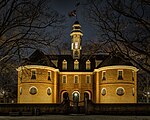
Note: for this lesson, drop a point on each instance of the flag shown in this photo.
(72, 13)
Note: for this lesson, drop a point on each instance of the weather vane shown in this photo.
(73, 13)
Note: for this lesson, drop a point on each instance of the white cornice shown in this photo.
(37, 67)
(116, 67)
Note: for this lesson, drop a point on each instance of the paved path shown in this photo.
(75, 117)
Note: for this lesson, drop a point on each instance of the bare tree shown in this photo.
(123, 25)
(25, 25)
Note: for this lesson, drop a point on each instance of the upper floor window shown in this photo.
(133, 75)
(49, 75)
(103, 75)
(88, 65)
(76, 79)
(33, 74)
(21, 76)
(120, 74)
(76, 45)
(76, 65)
(64, 79)
(64, 65)
(88, 79)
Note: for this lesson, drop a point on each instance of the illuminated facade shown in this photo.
(101, 78)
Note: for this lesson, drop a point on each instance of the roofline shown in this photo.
(36, 66)
(116, 67)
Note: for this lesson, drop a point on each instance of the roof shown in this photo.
(115, 59)
(39, 58)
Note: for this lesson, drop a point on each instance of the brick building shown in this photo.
(102, 78)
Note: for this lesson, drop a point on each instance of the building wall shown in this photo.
(41, 83)
(80, 87)
(111, 84)
(93, 88)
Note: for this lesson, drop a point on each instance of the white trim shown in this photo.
(62, 78)
(121, 88)
(76, 92)
(37, 67)
(89, 94)
(33, 87)
(50, 90)
(89, 79)
(76, 73)
(102, 91)
(122, 75)
(74, 79)
(116, 67)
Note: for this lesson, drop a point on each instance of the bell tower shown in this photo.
(76, 35)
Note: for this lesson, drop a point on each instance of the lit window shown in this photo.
(88, 65)
(76, 65)
(120, 75)
(103, 91)
(75, 79)
(103, 75)
(49, 91)
(132, 75)
(120, 91)
(76, 45)
(88, 79)
(64, 65)
(33, 90)
(49, 75)
(33, 74)
(64, 79)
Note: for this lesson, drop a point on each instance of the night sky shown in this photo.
(66, 6)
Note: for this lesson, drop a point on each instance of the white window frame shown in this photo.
(88, 65)
(32, 74)
(118, 74)
(87, 79)
(63, 79)
(50, 75)
(75, 79)
(76, 65)
(103, 76)
(64, 65)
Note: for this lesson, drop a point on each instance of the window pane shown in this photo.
(33, 74)
(49, 75)
(120, 75)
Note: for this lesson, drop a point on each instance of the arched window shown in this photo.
(76, 65)
(64, 65)
(88, 65)
(76, 96)
(87, 95)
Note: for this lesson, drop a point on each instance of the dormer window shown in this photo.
(33, 74)
(64, 65)
(120, 72)
(88, 65)
(76, 65)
